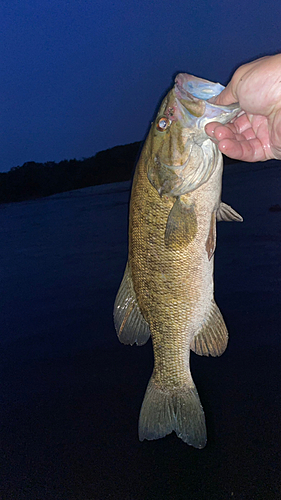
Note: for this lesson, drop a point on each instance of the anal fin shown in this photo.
(129, 322)
(212, 338)
(227, 213)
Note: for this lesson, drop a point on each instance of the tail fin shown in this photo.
(179, 410)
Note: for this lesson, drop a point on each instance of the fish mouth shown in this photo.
(188, 85)
(191, 90)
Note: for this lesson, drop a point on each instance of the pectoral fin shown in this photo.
(227, 213)
(129, 322)
(181, 225)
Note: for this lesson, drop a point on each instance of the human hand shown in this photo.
(255, 134)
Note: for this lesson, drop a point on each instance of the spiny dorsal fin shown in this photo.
(213, 336)
(129, 322)
(181, 225)
(227, 213)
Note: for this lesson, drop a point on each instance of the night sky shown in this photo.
(80, 76)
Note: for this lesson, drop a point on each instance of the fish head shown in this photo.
(183, 156)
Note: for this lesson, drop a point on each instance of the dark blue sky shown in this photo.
(79, 76)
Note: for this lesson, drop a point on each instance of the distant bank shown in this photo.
(34, 180)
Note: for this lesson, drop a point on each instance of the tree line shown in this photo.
(34, 180)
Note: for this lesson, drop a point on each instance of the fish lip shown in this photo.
(198, 88)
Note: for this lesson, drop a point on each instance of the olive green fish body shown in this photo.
(174, 286)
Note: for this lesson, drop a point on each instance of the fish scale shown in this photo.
(167, 288)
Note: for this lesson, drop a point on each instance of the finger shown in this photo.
(231, 148)
(241, 127)
(210, 128)
(214, 129)
(219, 132)
(245, 150)
(242, 123)
(275, 140)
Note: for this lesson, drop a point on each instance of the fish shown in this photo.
(167, 290)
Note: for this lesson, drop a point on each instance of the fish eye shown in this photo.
(163, 123)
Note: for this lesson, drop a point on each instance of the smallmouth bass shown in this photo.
(167, 288)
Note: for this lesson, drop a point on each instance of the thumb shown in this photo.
(226, 96)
